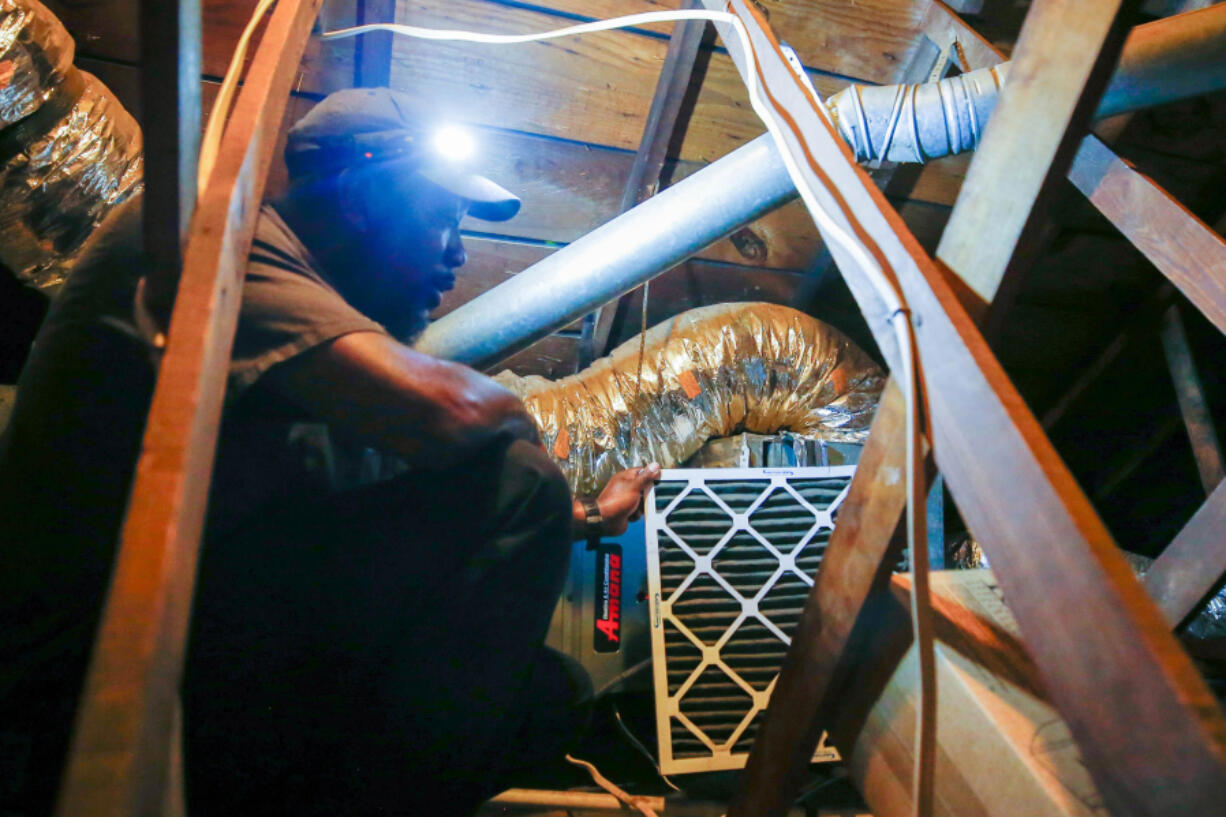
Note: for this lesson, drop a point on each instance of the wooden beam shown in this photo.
(121, 746)
(1192, 403)
(372, 62)
(665, 120)
(110, 30)
(595, 89)
(1040, 531)
(1064, 57)
(932, 57)
(1002, 748)
(1193, 565)
(170, 105)
(869, 39)
(859, 558)
(1183, 248)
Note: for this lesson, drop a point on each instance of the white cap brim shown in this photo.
(490, 201)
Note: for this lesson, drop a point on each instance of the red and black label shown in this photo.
(608, 634)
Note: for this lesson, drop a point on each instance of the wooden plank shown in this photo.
(595, 88)
(1064, 56)
(1192, 403)
(569, 189)
(1041, 533)
(858, 561)
(1193, 565)
(1003, 750)
(1183, 248)
(170, 94)
(932, 58)
(373, 52)
(693, 284)
(110, 31)
(666, 120)
(121, 745)
(869, 39)
(552, 357)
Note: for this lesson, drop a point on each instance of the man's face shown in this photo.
(407, 249)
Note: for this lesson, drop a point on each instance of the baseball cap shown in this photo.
(359, 126)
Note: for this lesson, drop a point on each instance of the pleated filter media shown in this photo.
(730, 558)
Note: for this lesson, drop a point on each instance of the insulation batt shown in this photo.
(73, 156)
(709, 372)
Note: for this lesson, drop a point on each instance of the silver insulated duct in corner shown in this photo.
(1162, 61)
(69, 152)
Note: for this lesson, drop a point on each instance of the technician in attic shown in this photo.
(354, 650)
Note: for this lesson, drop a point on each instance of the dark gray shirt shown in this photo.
(68, 455)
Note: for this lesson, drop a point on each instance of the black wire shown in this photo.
(637, 744)
(622, 677)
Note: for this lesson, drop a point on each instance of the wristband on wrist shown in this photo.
(593, 521)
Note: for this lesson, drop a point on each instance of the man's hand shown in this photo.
(621, 501)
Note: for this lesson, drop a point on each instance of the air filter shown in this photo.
(731, 555)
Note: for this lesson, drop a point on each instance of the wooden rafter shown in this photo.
(120, 755)
(1040, 531)
(1183, 248)
(1193, 565)
(1064, 57)
(1193, 405)
(170, 95)
(664, 118)
(373, 52)
(859, 558)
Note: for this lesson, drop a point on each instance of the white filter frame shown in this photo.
(668, 707)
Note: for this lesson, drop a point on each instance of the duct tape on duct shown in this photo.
(709, 372)
(35, 56)
(62, 170)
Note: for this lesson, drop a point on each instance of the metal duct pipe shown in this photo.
(614, 258)
(1162, 61)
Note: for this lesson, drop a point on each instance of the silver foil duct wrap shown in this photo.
(61, 175)
(709, 372)
(35, 56)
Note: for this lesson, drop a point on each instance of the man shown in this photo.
(368, 649)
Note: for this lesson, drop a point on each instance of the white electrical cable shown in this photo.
(890, 297)
(612, 788)
(211, 143)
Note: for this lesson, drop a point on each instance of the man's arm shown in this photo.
(621, 501)
(431, 412)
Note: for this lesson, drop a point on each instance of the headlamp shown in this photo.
(453, 143)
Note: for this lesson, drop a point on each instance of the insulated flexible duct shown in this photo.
(614, 258)
(1162, 61)
(69, 152)
(709, 372)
